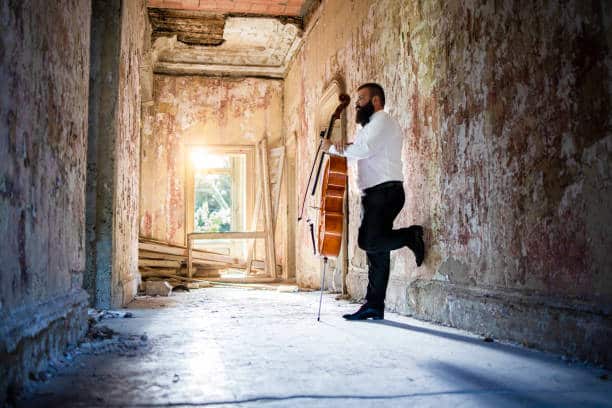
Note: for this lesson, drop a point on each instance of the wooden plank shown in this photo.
(213, 257)
(159, 263)
(255, 217)
(145, 246)
(255, 264)
(281, 169)
(268, 216)
(278, 154)
(149, 269)
(258, 264)
(261, 279)
(227, 235)
(159, 255)
(159, 246)
(171, 249)
(277, 183)
(220, 265)
(196, 253)
(253, 228)
(156, 274)
(189, 256)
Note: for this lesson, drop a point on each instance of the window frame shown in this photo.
(249, 183)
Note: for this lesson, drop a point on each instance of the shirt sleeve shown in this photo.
(332, 150)
(368, 141)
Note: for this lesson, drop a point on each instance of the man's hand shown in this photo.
(339, 147)
(326, 145)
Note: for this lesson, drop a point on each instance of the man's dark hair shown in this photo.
(375, 90)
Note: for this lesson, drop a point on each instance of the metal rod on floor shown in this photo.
(322, 283)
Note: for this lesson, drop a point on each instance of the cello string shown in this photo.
(309, 178)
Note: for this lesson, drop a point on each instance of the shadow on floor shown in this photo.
(462, 377)
(515, 350)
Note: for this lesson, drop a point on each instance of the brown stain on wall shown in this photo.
(43, 149)
(503, 109)
(192, 110)
(44, 54)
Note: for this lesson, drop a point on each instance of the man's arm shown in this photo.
(338, 148)
(368, 141)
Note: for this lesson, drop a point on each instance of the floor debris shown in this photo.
(157, 288)
(195, 354)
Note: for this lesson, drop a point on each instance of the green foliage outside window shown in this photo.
(213, 198)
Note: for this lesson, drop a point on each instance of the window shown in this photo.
(219, 193)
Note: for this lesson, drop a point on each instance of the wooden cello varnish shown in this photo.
(331, 213)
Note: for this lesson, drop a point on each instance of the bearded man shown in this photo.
(378, 150)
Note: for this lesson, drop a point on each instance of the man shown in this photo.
(378, 149)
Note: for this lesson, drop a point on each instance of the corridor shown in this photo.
(226, 346)
(179, 178)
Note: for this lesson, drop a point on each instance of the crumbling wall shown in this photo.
(119, 41)
(44, 72)
(134, 40)
(505, 108)
(202, 110)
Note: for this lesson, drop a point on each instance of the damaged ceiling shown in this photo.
(235, 38)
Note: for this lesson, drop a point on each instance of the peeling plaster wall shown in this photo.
(505, 107)
(199, 110)
(44, 68)
(134, 41)
(119, 41)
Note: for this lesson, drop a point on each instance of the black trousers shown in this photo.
(379, 207)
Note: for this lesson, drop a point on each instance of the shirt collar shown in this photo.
(379, 113)
(375, 115)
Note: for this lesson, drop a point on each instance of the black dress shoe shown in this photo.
(419, 245)
(366, 312)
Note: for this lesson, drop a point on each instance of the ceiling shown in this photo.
(226, 37)
(267, 7)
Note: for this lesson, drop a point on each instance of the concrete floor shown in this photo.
(250, 348)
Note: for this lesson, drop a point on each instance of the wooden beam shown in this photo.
(159, 255)
(159, 263)
(173, 249)
(189, 257)
(161, 248)
(147, 248)
(189, 26)
(255, 217)
(278, 181)
(269, 221)
(156, 274)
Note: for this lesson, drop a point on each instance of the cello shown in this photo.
(331, 206)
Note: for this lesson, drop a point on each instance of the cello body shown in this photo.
(331, 211)
(333, 188)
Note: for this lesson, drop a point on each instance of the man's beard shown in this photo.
(364, 113)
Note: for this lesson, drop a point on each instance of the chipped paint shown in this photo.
(114, 140)
(251, 47)
(44, 66)
(197, 110)
(501, 104)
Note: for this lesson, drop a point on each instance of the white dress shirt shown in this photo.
(378, 150)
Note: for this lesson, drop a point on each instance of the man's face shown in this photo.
(364, 107)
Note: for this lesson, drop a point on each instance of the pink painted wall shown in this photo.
(134, 42)
(44, 80)
(197, 110)
(506, 114)
(43, 109)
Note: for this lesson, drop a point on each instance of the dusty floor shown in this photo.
(248, 348)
